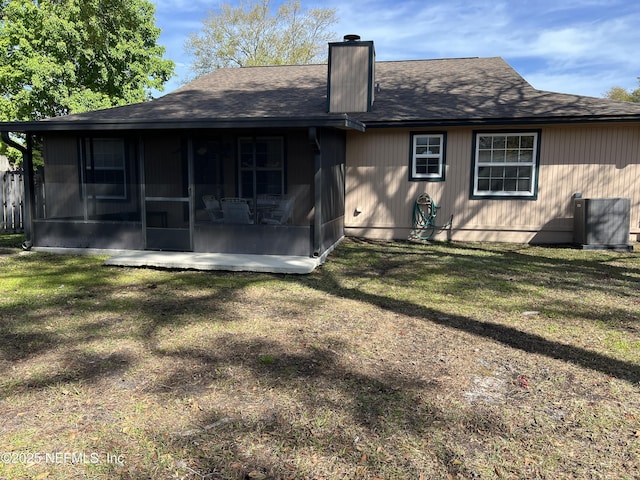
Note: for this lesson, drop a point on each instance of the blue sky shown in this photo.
(571, 46)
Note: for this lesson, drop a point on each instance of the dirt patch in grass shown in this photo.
(393, 360)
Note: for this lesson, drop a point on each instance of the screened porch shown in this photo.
(224, 192)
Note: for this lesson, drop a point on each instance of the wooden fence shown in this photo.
(12, 197)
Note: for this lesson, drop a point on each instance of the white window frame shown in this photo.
(533, 164)
(429, 155)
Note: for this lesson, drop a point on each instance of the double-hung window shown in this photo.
(427, 158)
(105, 172)
(505, 164)
(261, 166)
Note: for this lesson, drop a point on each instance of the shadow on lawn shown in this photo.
(505, 335)
(524, 263)
(515, 259)
(297, 393)
(21, 338)
(369, 397)
(381, 403)
(71, 302)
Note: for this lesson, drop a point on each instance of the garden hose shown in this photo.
(424, 218)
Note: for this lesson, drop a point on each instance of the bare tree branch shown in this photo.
(254, 33)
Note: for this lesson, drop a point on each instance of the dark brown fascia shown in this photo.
(342, 121)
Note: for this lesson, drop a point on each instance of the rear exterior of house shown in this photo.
(286, 160)
(200, 170)
(594, 160)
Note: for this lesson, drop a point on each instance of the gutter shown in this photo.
(500, 121)
(29, 188)
(67, 124)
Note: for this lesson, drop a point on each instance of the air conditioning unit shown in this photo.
(602, 223)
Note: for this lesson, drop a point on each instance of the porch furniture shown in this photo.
(212, 206)
(278, 211)
(235, 210)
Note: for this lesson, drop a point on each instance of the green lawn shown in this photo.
(391, 361)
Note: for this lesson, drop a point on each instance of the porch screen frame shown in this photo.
(88, 168)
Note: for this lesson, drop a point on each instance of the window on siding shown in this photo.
(505, 165)
(105, 172)
(261, 166)
(427, 157)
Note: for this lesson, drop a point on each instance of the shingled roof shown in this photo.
(477, 90)
(417, 92)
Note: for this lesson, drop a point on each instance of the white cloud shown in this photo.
(582, 47)
(582, 84)
(573, 46)
(613, 41)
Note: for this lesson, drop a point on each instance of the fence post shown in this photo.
(3, 216)
(18, 179)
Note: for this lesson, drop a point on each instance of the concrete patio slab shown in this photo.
(215, 261)
(197, 261)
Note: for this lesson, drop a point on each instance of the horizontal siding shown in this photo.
(598, 161)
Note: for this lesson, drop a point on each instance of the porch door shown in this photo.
(167, 200)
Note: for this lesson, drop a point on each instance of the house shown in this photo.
(286, 160)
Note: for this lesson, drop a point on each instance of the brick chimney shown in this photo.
(350, 83)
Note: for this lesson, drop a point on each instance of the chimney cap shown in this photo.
(351, 37)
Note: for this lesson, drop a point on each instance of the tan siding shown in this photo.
(597, 160)
(349, 79)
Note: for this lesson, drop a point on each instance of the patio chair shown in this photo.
(280, 214)
(212, 206)
(235, 210)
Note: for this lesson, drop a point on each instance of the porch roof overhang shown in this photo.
(61, 124)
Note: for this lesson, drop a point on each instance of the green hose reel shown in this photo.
(424, 218)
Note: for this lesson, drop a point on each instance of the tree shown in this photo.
(619, 93)
(67, 56)
(252, 34)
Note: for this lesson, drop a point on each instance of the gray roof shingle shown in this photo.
(453, 91)
(475, 89)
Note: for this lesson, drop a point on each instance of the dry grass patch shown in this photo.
(393, 361)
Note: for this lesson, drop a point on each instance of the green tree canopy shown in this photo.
(254, 33)
(67, 56)
(619, 93)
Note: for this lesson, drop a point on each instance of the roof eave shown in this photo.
(456, 122)
(342, 121)
(59, 124)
